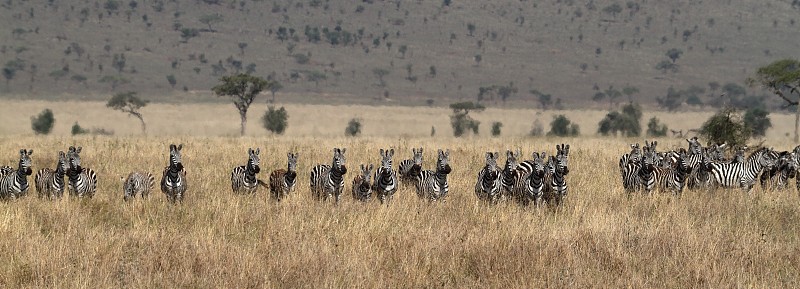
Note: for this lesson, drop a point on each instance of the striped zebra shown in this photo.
(674, 177)
(137, 183)
(488, 186)
(362, 190)
(796, 152)
(777, 176)
(281, 182)
(509, 175)
(82, 181)
(432, 185)
(695, 147)
(243, 178)
(634, 156)
(534, 184)
(49, 182)
(409, 169)
(14, 183)
(738, 156)
(328, 180)
(717, 152)
(173, 179)
(646, 170)
(744, 174)
(559, 167)
(700, 177)
(385, 182)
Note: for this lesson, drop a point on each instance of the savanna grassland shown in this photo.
(600, 238)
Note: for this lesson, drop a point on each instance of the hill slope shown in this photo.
(404, 51)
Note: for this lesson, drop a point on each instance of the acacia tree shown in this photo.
(782, 78)
(242, 89)
(128, 102)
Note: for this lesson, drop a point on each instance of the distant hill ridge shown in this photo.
(405, 52)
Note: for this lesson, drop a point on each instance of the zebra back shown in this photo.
(281, 182)
(50, 183)
(385, 181)
(137, 183)
(173, 179)
(243, 178)
(741, 174)
(409, 169)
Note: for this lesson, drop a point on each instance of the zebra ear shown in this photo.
(362, 167)
(370, 168)
(61, 154)
(180, 146)
(381, 152)
(78, 150)
(343, 150)
(567, 150)
(172, 147)
(71, 149)
(30, 152)
(258, 151)
(22, 152)
(391, 152)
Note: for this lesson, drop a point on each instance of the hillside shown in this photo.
(405, 52)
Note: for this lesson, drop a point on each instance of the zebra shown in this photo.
(534, 185)
(432, 185)
(281, 182)
(717, 152)
(173, 179)
(558, 169)
(137, 183)
(695, 147)
(82, 181)
(409, 169)
(738, 156)
(777, 176)
(700, 177)
(362, 191)
(632, 157)
(646, 170)
(14, 183)
(674, 177)
(385, 182)
(509, 175)
(243, 178)
(328, 180)
(742, 174)
(487, 188)
(49, 182)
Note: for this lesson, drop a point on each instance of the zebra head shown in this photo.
(717, 152)
(74, 159)
(442, 165)
(365, 174)
(649, 158)
(175, 156)
(512, 159)
(636, 153)
(25, 161)
(292, 162)
(386, 159)
(695, 147)
(63, 164)
(539, 167)
(682, 162)
(128, 187)
(417, 156)
(738, 157)
(339, 160)
(763, 158)
(253, 160)
(491, 161)
(563, 159)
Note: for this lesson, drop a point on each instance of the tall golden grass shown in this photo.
(600, 238)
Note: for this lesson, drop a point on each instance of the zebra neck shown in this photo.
(21, 177)
(289, 177)
(336, 175)
(173, 172)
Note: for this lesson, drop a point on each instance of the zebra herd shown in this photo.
(532, 181)
(645, 169)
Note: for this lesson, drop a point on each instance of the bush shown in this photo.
(757, 121)
(656, 129)
(727, 126)
(43, 123)
(77, 129)
(460, 119)
(562, 126)
(353, 127)
(275, 120)
(496, 126)
(625, 123)
(537, 129)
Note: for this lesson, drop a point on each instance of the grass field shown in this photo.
(601, 238)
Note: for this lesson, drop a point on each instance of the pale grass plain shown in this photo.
(601, 237)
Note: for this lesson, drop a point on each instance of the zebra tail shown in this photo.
(263, 184)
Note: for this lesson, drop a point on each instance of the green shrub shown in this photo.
(625, 123)
(77, 129)
(496, 127)
(275, 120)
(757, 121)
(562, 126)
(656, 129)
(43, 123)
(726, 126)
(353, 127)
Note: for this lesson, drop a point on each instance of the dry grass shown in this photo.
(601, 238)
